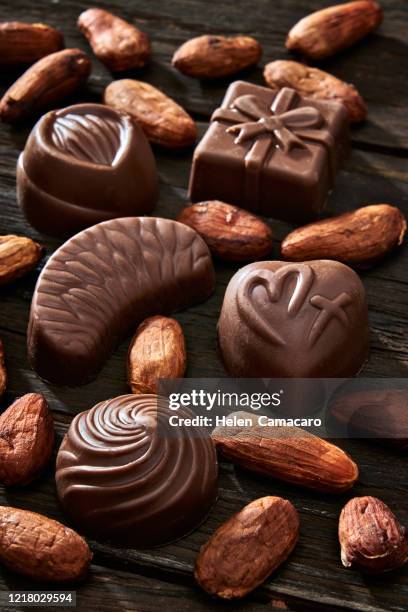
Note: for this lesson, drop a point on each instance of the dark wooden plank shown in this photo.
(106, 589)
(366, 174)
(377, 171)
(121, 590)
(368, 178)
(313, 571)
(169, 24)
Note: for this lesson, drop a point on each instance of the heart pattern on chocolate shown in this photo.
(273, 282)
(294, 319)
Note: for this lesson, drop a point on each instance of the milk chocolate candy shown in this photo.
(271, 152)
(99, 285)
(82, 165)
(298, 320)
(124, 474)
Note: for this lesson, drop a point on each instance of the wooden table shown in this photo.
(159, 579)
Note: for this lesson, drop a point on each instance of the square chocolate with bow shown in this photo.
(271, 152)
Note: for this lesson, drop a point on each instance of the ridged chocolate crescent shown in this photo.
(283, 320)
(125, 474)
(102, 282)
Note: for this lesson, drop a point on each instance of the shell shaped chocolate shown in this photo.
(125, 474)
(99, 285)
(82, 165)
(296, 320)
(89, 137)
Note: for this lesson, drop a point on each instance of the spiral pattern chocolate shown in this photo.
(125, 474)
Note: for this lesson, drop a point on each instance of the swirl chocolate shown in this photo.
(276, 152)
(294, 320)
(99, 285)
(125, 474)
(82, 165)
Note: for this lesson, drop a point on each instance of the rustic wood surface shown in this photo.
(313, 578)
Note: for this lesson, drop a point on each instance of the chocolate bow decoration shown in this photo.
(282, 125)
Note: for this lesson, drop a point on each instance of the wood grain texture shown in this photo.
(313, 578)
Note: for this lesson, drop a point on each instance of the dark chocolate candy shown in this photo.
(102, 283)
(271, 152)
(82, 165)
(379, 413)
(125, 474)
(297, 320)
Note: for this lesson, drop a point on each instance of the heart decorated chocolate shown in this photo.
(85, 164)
(296, 320)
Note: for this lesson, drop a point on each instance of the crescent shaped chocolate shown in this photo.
(125, 474)
(85, 164)
(99, 285)
(297, 320)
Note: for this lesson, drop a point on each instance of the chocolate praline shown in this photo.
(85, 164)
(295, 320)
(125, 475)
(271, 152)
(98, 286)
